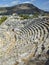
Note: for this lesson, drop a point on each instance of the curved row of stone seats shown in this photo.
(38, 36)
(29, 33)
(39, 31)
(45, 30)
(46, 27)
(35, 32)
(47, 24)
(41, 34)
(41, 39)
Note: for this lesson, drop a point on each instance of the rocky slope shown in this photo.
(25, 8)
(24, 42)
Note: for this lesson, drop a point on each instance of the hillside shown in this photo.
(25, 8)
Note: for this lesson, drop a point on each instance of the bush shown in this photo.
(35, 15)
(2, 19)
(24, 16)
(27, 16)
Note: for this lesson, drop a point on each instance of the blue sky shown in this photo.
(42, 4)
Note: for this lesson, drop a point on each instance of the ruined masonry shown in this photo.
(23, 42)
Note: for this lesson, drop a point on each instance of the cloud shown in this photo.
(19, 2)
(4, 5)
(46, 9)
(14, 2)
(26, 2)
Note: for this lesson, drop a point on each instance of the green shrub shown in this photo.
(24, 16)
(2, 19)
(27, 16)
(35, 15)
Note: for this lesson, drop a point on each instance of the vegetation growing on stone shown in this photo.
(2, 19)
(26, 16)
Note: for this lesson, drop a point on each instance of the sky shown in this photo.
(42, 4)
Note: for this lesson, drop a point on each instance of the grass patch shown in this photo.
(2, 19)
